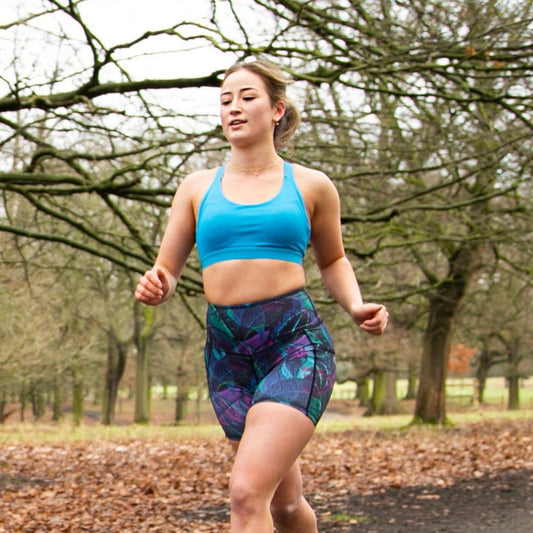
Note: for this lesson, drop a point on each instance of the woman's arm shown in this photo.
(159, 283)
(335, 268)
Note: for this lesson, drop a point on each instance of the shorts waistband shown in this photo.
(300, 291)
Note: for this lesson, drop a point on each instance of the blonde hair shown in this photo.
(276, 83)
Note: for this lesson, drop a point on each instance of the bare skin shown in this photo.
(266, 483)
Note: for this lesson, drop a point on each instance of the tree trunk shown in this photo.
(513, 403)
(23, 400)
(443, 308)
(77, 397)
(431, 398)
(37, 401)
(4, 415)
(142, 414)
(363, 391)
(182, 394)
(384, 400)
(116, 363)
(143, 330)
(412, 381)
(57, 399)
(3, 403)
(482, 373)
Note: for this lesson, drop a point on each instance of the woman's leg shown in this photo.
(266, 473)
(289, 508)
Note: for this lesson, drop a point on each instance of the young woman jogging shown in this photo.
(269, 357)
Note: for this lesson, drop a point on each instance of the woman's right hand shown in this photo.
(152, 288)
(371, 317)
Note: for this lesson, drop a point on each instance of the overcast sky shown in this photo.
(120, 21)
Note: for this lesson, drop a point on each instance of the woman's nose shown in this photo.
(235, 107)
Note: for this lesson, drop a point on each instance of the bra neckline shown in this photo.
(256, 204)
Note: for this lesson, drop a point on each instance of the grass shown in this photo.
(459, 413)
(51, 433)
(349, 519)
(56, 433)
(399, 422)
(495, 390)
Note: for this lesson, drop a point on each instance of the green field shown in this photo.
(42, 432)
(457, 388)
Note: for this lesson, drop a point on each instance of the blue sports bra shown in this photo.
(276, 229)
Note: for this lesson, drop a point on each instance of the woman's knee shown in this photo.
(245, 497)
(286, 511)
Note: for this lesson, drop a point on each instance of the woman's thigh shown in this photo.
(273, 439)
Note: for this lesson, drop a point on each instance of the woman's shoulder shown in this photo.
(197, 182)
(199, 177)
(312, 180)
(193, 187)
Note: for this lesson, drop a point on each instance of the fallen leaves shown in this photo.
(181, 486)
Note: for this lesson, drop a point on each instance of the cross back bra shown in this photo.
(276, 229)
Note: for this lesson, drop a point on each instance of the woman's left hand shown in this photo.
(372, 318)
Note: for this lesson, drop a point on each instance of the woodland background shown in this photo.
(419, 110)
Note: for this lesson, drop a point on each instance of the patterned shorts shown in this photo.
(275, 350)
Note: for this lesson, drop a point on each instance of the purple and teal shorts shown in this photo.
(276, 350)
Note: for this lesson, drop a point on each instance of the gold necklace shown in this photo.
(255, 170)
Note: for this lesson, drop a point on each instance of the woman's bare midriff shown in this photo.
(248, 280)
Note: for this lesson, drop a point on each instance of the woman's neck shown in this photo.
(253, 163)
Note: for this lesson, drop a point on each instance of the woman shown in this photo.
(269, 357)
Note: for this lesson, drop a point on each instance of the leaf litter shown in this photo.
(182, 486)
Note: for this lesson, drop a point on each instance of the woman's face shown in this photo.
(246, 112)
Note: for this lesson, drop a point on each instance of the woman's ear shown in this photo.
(279, 111)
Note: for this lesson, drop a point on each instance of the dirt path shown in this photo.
(494, 503)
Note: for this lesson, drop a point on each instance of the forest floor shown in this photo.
(472, 477)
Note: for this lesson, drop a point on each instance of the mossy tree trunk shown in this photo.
(513, 403)
(384, 400)
(443, 308)
(116, 363)
(144, 326)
